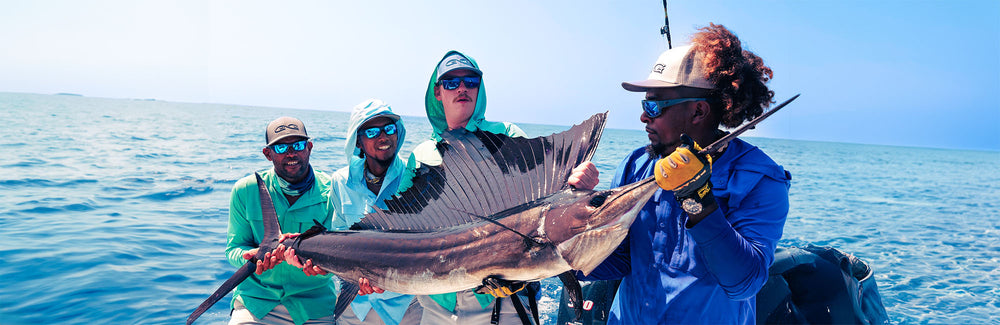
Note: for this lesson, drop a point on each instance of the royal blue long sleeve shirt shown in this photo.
(711, 272)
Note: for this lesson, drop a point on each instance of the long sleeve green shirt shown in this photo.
(305, 297)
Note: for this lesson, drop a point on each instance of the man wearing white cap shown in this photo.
(279, 293)
(700, 250)
(456, 99)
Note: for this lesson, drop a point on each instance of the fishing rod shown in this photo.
(665, 30)
(718, 144)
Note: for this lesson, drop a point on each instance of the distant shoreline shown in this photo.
(418, 117)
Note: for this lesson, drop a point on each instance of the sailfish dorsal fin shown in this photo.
(484, 173)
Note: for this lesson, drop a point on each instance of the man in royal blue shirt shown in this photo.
(699, 250)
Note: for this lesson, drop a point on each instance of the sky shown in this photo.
(904, 73)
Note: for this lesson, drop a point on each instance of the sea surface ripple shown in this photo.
(115, 211)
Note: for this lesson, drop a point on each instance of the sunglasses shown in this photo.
(654, 108)
(373, 132)
(283, 147)
(452, 84)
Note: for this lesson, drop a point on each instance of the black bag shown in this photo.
(597, 299)
(819, 285)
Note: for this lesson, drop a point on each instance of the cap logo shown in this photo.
(658, 68)
(457, 61)
(281, 128)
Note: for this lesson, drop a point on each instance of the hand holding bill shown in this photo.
(688, 174)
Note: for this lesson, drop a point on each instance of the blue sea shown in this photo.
(114, 210)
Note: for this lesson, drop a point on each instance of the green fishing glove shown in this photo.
(688, 174)
(500, 288)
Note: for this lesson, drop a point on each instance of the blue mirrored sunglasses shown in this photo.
(373, 132)
(452, 83)
(654, 108)
(283, 147)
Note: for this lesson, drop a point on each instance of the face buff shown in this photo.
(300, 187)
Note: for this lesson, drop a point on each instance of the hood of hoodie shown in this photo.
(362, 113)
(435, 112)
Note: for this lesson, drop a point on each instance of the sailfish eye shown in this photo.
(598, 200)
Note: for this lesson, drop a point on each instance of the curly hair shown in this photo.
(740, 76)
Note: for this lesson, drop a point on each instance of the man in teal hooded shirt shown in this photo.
(456, 99)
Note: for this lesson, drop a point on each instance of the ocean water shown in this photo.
(114, 210)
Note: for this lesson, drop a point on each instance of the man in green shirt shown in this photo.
(279, 293)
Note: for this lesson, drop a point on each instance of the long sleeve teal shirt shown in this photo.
(305, 297)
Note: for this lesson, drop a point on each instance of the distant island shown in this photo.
(78, 95)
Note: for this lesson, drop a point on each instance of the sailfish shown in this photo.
(496, 207)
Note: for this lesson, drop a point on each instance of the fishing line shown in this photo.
(512, 230)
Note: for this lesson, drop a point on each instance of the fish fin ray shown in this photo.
(348, 290)
(574, 292)
(484, 173)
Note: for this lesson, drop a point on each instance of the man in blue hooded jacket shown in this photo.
(372, 175)
(374, 136)
(699, 250)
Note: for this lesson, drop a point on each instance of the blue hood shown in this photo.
(362, 113)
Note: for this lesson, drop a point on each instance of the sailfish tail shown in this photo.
(272, 233)
(248, 268)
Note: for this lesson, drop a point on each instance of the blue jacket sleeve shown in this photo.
(738, 245)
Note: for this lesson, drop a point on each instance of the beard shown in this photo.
(656, 151)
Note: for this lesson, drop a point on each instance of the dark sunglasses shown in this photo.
(283, 147)
(373, 132)
(654, 108)
(452, 84)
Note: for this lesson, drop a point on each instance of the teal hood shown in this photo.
(362, 113)
(426, 152)
(435, 112)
